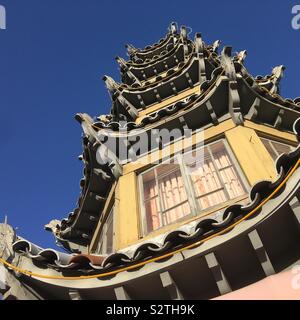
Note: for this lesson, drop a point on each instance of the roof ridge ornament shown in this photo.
(241, 56)
(199, 44)
(277, 75)
(227, 63)
(199, 50)
(116, 94)
(110, 83)
(215, 46)
(173, 28)
(183, 33)
(234, 97)
(131, 50)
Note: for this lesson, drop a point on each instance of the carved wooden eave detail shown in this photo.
(189, 75)
(103, 154)
(157, 67)
(101, 169)
(119, 99)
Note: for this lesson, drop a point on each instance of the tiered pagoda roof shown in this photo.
(153, 75)
(175, 83)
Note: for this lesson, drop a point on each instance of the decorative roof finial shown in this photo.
(183, 33)
(173, 29)
(130, 49)
(110, 83)
(277, 72)
(241, 56)
(198, 43)
(216, 46)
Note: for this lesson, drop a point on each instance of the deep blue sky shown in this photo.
(52, 58)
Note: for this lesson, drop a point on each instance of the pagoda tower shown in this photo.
(191, 186)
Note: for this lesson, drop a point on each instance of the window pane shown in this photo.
(153, 214)
(232, 183)
(268, 146)
(150, 186)
(276, 148)
(109, 235)
(213, 175)
(281, 148)
(228, 173)
(174, 199)
(106, 237)
(206, 182)
(165, 196)
(177, 213)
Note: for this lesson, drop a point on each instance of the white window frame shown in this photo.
(191, 197)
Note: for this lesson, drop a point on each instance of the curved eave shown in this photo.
(153, 52)
(259, 106)
(186, 77)
(275, 219)
(254, 107)
(156, 59)
(256, 104)
(156, 68)
(96, 184)
(215, 89)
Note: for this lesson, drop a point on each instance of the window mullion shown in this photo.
(143, 209)
(273, 148)
(104, 247)
(161, 206)
(217, 172)
(188, 185)
(239, 172)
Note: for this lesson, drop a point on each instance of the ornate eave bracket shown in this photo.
(126, 69)
(234, 97)
(199, 50)
(116, 94)
(104, 155)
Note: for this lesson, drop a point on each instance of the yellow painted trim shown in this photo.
(272, 132)
(208, 134)
(254, 159)
(109, 201)
(127, 226)
(182, 95)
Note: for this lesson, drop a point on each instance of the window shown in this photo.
(165, 197)
(276, 148)
(106, 243)
(189, 184)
